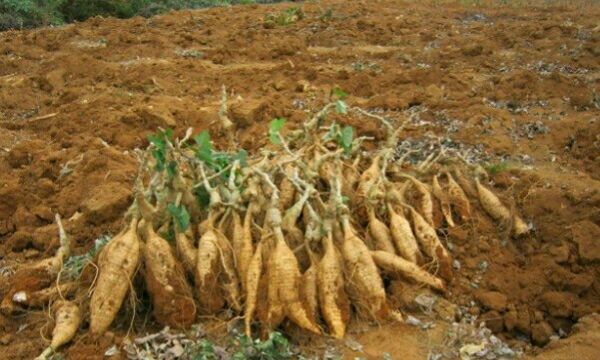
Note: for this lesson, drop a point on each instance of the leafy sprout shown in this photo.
(276, 347)
(216, 160)
(343, 137)
(160, 141)
(75, 264)
(340, 104)
(274, 127)
(181, 216)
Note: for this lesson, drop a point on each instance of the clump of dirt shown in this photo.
(501, 83)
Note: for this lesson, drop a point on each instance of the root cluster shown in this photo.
(305, 230)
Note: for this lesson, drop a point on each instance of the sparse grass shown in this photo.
(283, 18)
(495, 168)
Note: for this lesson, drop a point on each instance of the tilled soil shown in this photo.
(519, 85)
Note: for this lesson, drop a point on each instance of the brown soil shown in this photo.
(521, 82)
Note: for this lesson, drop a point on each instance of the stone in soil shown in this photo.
(492, 300)
(541, 333)
(586, 235)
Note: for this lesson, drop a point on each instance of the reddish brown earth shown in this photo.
(521, 82)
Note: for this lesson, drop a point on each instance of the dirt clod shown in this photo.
(541, 333)
(492, 300)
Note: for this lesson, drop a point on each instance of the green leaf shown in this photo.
(274, 127)
(172, 169)
(204, 148)
(331, 133)
(242, 157)
(347, 137)
(341, 107)
(159, 155)
(339, 93)
(202, 196)
(169, 234)
(180, 216)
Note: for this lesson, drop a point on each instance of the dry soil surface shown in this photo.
(517, 84)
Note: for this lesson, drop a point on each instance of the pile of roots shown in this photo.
(305, 230)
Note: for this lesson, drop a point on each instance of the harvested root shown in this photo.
(403, 237)
(172, 300)
(431, 244)
(364, 285)
(333, 300)
(439, 193)
(186, 250)
(41, 298)
(287, 283)
(380, 233)
(67, 320)
(494, 207)
(458, 199)
(396, 264)
(208, 266)
(253, 275)
(117, 263)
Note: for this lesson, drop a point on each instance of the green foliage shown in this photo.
(276, 347)
(74, 264)
(159, 152)
(19, 14)
(181, 216)
(342, 136)
(204, 351)
(496, 168)
(274, 127)
(284, 18)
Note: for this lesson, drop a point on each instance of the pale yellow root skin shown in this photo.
(207, 272)
(396, 264)
(117, 264)
(287, 283)
(253, 275)
(309, 292)
(186, 250)
(491, 204)
(382, 239)
(458, 199)
(403, 237)
(365, 286)
(243, 249)
(431, 244)
(442, 197)
(67, 317)
(333, 300)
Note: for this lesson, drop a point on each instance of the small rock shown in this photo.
(43, 212)
(493, 321)
(247, 112)
(445, 309)
(558, 304)
(156, 116)
(523, 323)
(560, 324)
(473, 49)
(586, 235)
(541, 333)
(492, 300)
(560, 253)
(108, 201)
(510, 320)
(302, 86)
(6, 339)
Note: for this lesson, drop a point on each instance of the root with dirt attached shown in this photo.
(279, 234)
